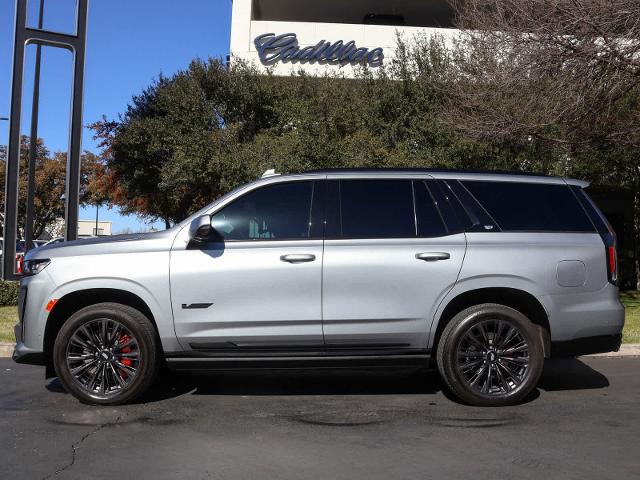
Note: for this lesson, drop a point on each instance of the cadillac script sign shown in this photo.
(274, 48)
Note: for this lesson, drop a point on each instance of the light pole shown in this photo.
(97, 211)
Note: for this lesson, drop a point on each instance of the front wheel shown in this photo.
(490, 355)
(106, 354)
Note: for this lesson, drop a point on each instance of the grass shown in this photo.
(631, 301)
(8, 318)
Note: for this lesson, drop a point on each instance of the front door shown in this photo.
(389, 258)
(257, 291)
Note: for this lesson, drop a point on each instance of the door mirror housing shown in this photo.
(200, 229)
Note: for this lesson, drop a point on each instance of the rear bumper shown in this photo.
(586, 346)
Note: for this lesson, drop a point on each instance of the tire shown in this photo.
(493, 370)
(107, 354)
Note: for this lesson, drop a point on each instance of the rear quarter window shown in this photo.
(527, 207)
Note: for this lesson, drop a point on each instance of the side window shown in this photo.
(478, 219)
(377, 209)
(524, 207)
(276, 212)
(430, 222)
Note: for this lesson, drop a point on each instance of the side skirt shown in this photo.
(203, 363)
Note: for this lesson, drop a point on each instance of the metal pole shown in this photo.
(97, 211)
(75, 135)
(13, 152)
(33, 142)
(75, 43)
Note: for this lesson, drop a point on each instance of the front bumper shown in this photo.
(23, 354)
(586, 346)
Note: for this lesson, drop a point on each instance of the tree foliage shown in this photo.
(50, 177)
(187, 139)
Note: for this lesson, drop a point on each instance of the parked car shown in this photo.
(20, 250)
(20, 245)
(54, 241)
(482, 276)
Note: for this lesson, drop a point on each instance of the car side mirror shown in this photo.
(200, 229)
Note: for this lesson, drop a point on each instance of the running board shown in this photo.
(183, 363)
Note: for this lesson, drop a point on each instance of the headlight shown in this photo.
(32, 267)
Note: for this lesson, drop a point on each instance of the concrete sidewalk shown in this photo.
(627, 350)
(6, 349)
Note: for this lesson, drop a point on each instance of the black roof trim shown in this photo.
(425, 170)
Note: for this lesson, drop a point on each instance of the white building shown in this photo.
(87, 228)
(330, 35)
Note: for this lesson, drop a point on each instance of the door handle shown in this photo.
(298, 258)
(433, 256)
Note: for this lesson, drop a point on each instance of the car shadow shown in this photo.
(558, 375)
(570, 374)
(295, 383)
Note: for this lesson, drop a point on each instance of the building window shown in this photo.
(412, 13)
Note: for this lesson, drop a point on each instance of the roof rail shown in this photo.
(426, 170)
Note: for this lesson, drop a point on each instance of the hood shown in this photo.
(129, 243)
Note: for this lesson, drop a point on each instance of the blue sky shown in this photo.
(128, 44)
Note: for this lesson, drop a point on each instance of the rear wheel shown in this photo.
(490, 355)
(106, 354)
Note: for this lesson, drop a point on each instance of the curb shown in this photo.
(6, 349)
(626, 350)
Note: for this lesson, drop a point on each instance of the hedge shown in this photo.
(9, 293)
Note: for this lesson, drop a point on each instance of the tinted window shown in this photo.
(449, 206)
(596, 216)
(377, 209)
(277, 212)
(531, 206)
(480, 221)
(430, 223)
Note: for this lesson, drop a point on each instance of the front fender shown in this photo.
(161, 310)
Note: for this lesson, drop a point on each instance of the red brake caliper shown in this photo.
(127, 362)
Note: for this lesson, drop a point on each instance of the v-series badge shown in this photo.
(285, 48)
(193, 306)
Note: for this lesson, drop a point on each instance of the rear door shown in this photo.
(390, 256)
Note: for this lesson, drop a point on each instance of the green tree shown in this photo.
(50, 178)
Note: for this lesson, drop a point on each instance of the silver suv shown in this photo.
(481, 275)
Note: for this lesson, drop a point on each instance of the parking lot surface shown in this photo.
(583, 422)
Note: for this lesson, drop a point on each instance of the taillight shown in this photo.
(19, 260)
(609, 240)
(612, 261)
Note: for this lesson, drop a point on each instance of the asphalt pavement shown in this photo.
(583, 422)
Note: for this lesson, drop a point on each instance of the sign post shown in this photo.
(76, 44)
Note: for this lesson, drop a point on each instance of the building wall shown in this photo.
(244, 30)
(86, 228)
